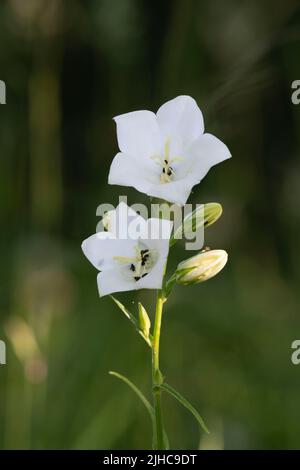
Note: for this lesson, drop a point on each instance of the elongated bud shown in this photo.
(145, 323)
(201, 267)
(106, 221)
(202, 216)
(212, 212)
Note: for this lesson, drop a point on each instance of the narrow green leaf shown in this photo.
(137, 392)
(148, 339)
(185, 403)
(125, 311)
(133, 320)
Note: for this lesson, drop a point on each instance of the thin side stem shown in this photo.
(156, 375)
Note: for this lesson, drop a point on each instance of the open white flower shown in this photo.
(165, 154)
(131, 258)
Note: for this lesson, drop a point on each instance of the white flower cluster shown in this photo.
(163, 155)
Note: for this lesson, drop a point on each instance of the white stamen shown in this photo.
(165, 162)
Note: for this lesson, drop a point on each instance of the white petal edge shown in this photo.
(181, 118)
(112, 280)
(157, 229)
(155, 277)
(139, 135)
(175, 191)
(125, 171)
(101, 248)
(123, 219)
(204, 153)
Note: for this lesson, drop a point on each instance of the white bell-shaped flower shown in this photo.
(131, 254)
(165, 154)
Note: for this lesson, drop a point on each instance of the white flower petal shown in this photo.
(154, 279)
(101, 249)
(124, 222)
(159, 245)
(157, 230)
(204, 153)
(139, 135)
(182, 119)
(175, 191)
(125, 171)
(113, 280)
(157, 238)
(114, 256)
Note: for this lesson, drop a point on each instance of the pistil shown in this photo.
(167, 173)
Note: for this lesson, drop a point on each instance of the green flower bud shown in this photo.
(145, 323)
(212, 212)
(201, 267)
(202, 216)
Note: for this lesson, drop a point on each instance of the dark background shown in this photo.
(69, 67)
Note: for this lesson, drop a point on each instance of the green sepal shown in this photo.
(168, 286)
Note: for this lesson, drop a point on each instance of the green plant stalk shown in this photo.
(158, 438)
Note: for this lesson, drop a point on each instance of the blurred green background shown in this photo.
(69, 67)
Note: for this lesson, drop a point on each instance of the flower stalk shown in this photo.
(131, 253)
(157, 379)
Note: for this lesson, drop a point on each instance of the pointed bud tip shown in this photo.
(145, 323)
(201, 267)
(212, 212)
(203, 216)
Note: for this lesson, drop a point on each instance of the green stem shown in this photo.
(157, 376)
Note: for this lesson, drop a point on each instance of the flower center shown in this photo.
(139, 266)
(167, 173)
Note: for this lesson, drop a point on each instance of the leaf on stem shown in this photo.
(125, 311)
(185, 403)
(133, 320)
(137, 392)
